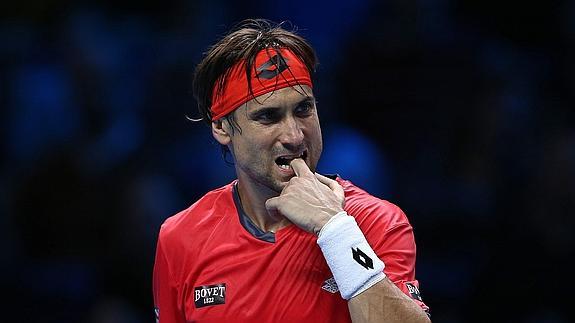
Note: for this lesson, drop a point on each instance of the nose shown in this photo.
(292, 134)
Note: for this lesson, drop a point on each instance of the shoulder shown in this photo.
(370, 210)
(198, 218)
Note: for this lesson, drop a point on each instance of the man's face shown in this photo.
(275, 128)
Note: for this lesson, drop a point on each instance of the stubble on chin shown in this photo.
(277, 185)
(273, 185)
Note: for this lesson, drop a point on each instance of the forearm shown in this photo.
(384, 302)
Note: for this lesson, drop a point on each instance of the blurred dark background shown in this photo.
(461, 112)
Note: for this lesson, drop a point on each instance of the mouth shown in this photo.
(284, 161)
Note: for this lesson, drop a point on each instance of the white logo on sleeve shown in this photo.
(330, 285)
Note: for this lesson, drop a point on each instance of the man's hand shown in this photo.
(309, 200)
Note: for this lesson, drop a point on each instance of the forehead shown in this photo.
(282, 97)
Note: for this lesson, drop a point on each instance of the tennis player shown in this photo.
(281, 243)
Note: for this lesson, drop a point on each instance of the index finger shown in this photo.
(300, 168)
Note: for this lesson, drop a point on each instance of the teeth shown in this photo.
(284, 162)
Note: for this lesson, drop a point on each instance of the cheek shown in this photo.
(316, 141)
(315, 134)
(253, 149)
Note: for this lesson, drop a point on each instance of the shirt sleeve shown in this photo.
(165, 292)
(390, 234)
(397, 251)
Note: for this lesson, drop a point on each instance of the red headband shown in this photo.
(273, 70)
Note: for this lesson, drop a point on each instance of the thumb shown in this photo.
(332, 184)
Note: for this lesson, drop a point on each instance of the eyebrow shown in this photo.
(254, 113)
(307, 99)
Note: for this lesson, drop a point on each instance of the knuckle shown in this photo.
(295, 180)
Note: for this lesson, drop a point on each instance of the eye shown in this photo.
(304, 109)
(266, 116)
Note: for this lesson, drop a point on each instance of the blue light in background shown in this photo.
(357, 158)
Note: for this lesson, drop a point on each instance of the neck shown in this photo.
(253, 198)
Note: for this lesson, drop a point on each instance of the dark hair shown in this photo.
(243, 43)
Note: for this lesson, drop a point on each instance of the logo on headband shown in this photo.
(266, 70)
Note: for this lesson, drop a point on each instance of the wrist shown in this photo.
(353, 263)
(324, 220)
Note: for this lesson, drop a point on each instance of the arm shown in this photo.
(165, 293)
(395, 246)
(311, 201)
(359, 271)
(384, 302)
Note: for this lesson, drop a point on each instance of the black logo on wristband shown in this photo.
(362, 258)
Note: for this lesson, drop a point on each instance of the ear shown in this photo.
(220, 131)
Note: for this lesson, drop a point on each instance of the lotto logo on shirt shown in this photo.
(210, 295)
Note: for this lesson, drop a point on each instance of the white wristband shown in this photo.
(354, 265)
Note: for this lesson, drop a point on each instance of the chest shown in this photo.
(252, 280)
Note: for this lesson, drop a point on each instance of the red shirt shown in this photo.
(214, 265)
